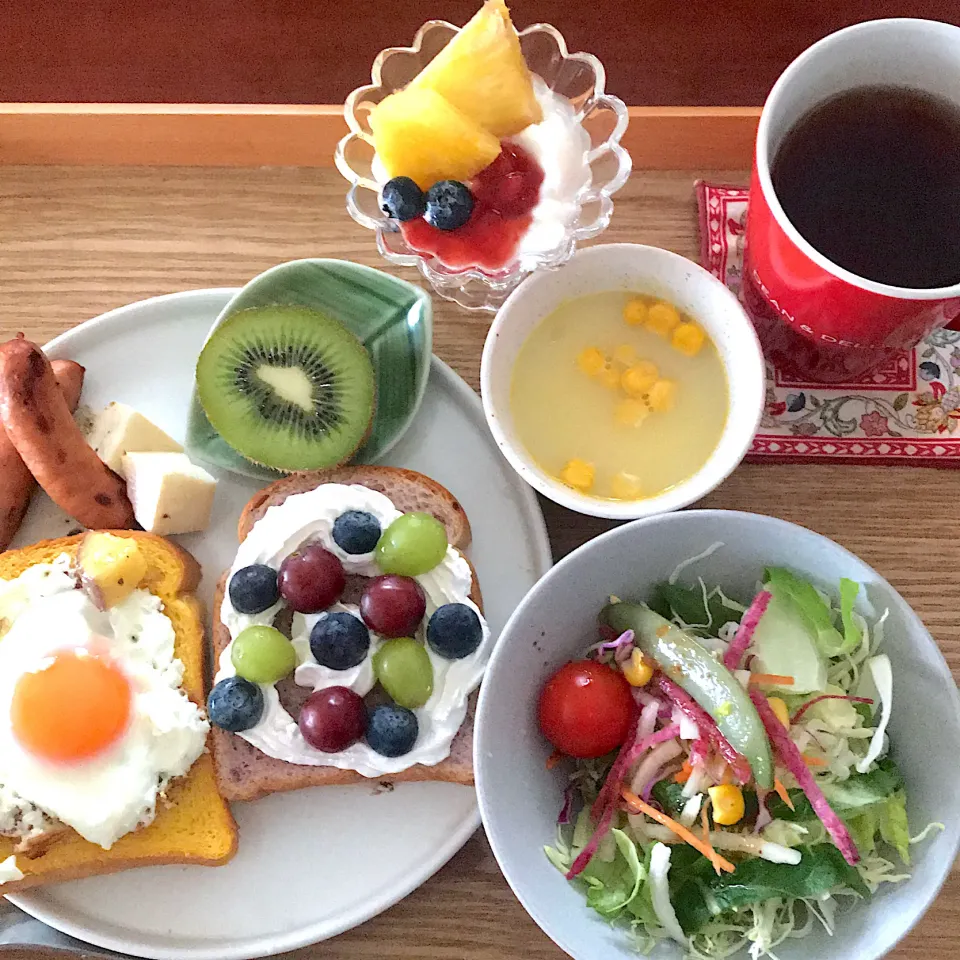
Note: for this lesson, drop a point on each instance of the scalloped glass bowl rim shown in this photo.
(438, 274)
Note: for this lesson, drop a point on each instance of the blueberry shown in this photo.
(401, 199)
(253, 589)
(356, 532)
(449, 205)
(235, 704)
(339, 641)
(454, 631)
(392, 730)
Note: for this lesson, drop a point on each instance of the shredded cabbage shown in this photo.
(881, 680)
(660, 892)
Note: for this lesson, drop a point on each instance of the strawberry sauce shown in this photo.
(504, 196)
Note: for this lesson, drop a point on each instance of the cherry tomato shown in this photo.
(586, 708)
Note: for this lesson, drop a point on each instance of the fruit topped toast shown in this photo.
(348, 636)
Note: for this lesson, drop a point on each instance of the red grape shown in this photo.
(393, 606)
(333, 718)
(311, 579)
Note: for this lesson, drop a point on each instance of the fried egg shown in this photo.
(93, 722)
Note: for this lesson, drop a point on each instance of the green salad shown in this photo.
(732, 781)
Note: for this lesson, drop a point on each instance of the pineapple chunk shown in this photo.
(114, 565)
(418, 134)
(482, 72)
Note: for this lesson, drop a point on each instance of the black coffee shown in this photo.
(871, 178)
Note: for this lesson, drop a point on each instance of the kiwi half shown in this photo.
(289, 388)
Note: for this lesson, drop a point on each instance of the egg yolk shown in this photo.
(73, 709)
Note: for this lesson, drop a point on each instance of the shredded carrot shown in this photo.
(705, 824)
(554, 759)
(641, 806)
(683, 775)
(812, 761)
(771, 678)
(782, 793)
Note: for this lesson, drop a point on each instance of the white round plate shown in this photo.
(316, 862)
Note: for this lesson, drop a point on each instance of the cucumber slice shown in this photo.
(784, 644)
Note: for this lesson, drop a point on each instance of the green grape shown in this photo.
(413, 544)
(263, 655)
(404, 670)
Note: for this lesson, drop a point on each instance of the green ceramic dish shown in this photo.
(392, 318)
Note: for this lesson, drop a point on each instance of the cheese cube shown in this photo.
(169, 494)
(120, 429)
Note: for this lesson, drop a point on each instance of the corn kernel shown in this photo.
(609, 377)
(625, 354)
(639, 378)
(662, 395)
(636, 670)
(688, 338)
(662, 318)
(635, 313)
(591, 361)
(780, 710)
(578, 474)
(625, 486)
(727, 802)
(631, 413)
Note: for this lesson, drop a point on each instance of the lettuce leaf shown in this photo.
(582, 830)
(702, 895)
(669, 795)
(559, 857)
(866, 713)
(612, 885)
(862, 789)
(863, 829)
(847, 797)
(673, 600)
(886, 820)
(893, 825)
(870, 804)
(877, 678)
(852, 634)
(641, 906)
(816, 612)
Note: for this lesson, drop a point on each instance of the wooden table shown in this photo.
(75, 241)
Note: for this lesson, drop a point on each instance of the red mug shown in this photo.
(830, 323)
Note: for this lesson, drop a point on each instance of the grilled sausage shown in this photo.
(40, 425)
(16, 481)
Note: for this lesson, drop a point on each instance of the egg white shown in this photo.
(109, 795)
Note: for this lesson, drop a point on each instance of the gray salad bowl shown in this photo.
(556, 622)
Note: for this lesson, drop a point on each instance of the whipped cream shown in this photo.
(9, 871)
(114, 792)
(560, 145)
(310, 517)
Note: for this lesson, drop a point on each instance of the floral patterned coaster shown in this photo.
(906, 412)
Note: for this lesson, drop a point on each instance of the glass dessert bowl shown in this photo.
(499, 152)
